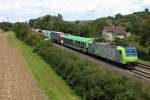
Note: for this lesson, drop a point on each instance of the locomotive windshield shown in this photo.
(130, 52)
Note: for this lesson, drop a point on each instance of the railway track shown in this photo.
(143, 66)
(142, 70)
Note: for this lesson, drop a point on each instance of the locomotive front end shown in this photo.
(131, 55)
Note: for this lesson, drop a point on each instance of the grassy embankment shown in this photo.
(53, 85)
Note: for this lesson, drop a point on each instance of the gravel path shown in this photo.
(16, 80)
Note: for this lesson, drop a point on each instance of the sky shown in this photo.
(24, 10)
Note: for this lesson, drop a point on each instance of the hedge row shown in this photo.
(90, 81)
(24, 33)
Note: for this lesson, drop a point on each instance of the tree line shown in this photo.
(136, 23)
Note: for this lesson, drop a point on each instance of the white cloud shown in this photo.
(71, 9)
(2, 19)
(146, 2)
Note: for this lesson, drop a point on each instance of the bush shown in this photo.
(42, 44)
(90, 81)
(143, 54)
(5, 26)
(34, 38)
(22, 30)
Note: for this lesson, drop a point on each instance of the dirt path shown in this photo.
(16, 81)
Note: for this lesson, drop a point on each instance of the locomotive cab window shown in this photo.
(131, 52)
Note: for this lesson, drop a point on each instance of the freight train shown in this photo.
(121, 55)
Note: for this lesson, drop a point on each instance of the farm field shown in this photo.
(16, 81)
(53, 85)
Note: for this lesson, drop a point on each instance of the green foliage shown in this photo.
(146, 10)
(56, 23)
(34, 38)
(143, 53)
(145, 33)
(5, 26)
(131, 22)
(47, 22)
(121, 42)
(90, 81)
(22, 30)
(42, 44)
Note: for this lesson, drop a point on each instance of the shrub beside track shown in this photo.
(90, 81)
